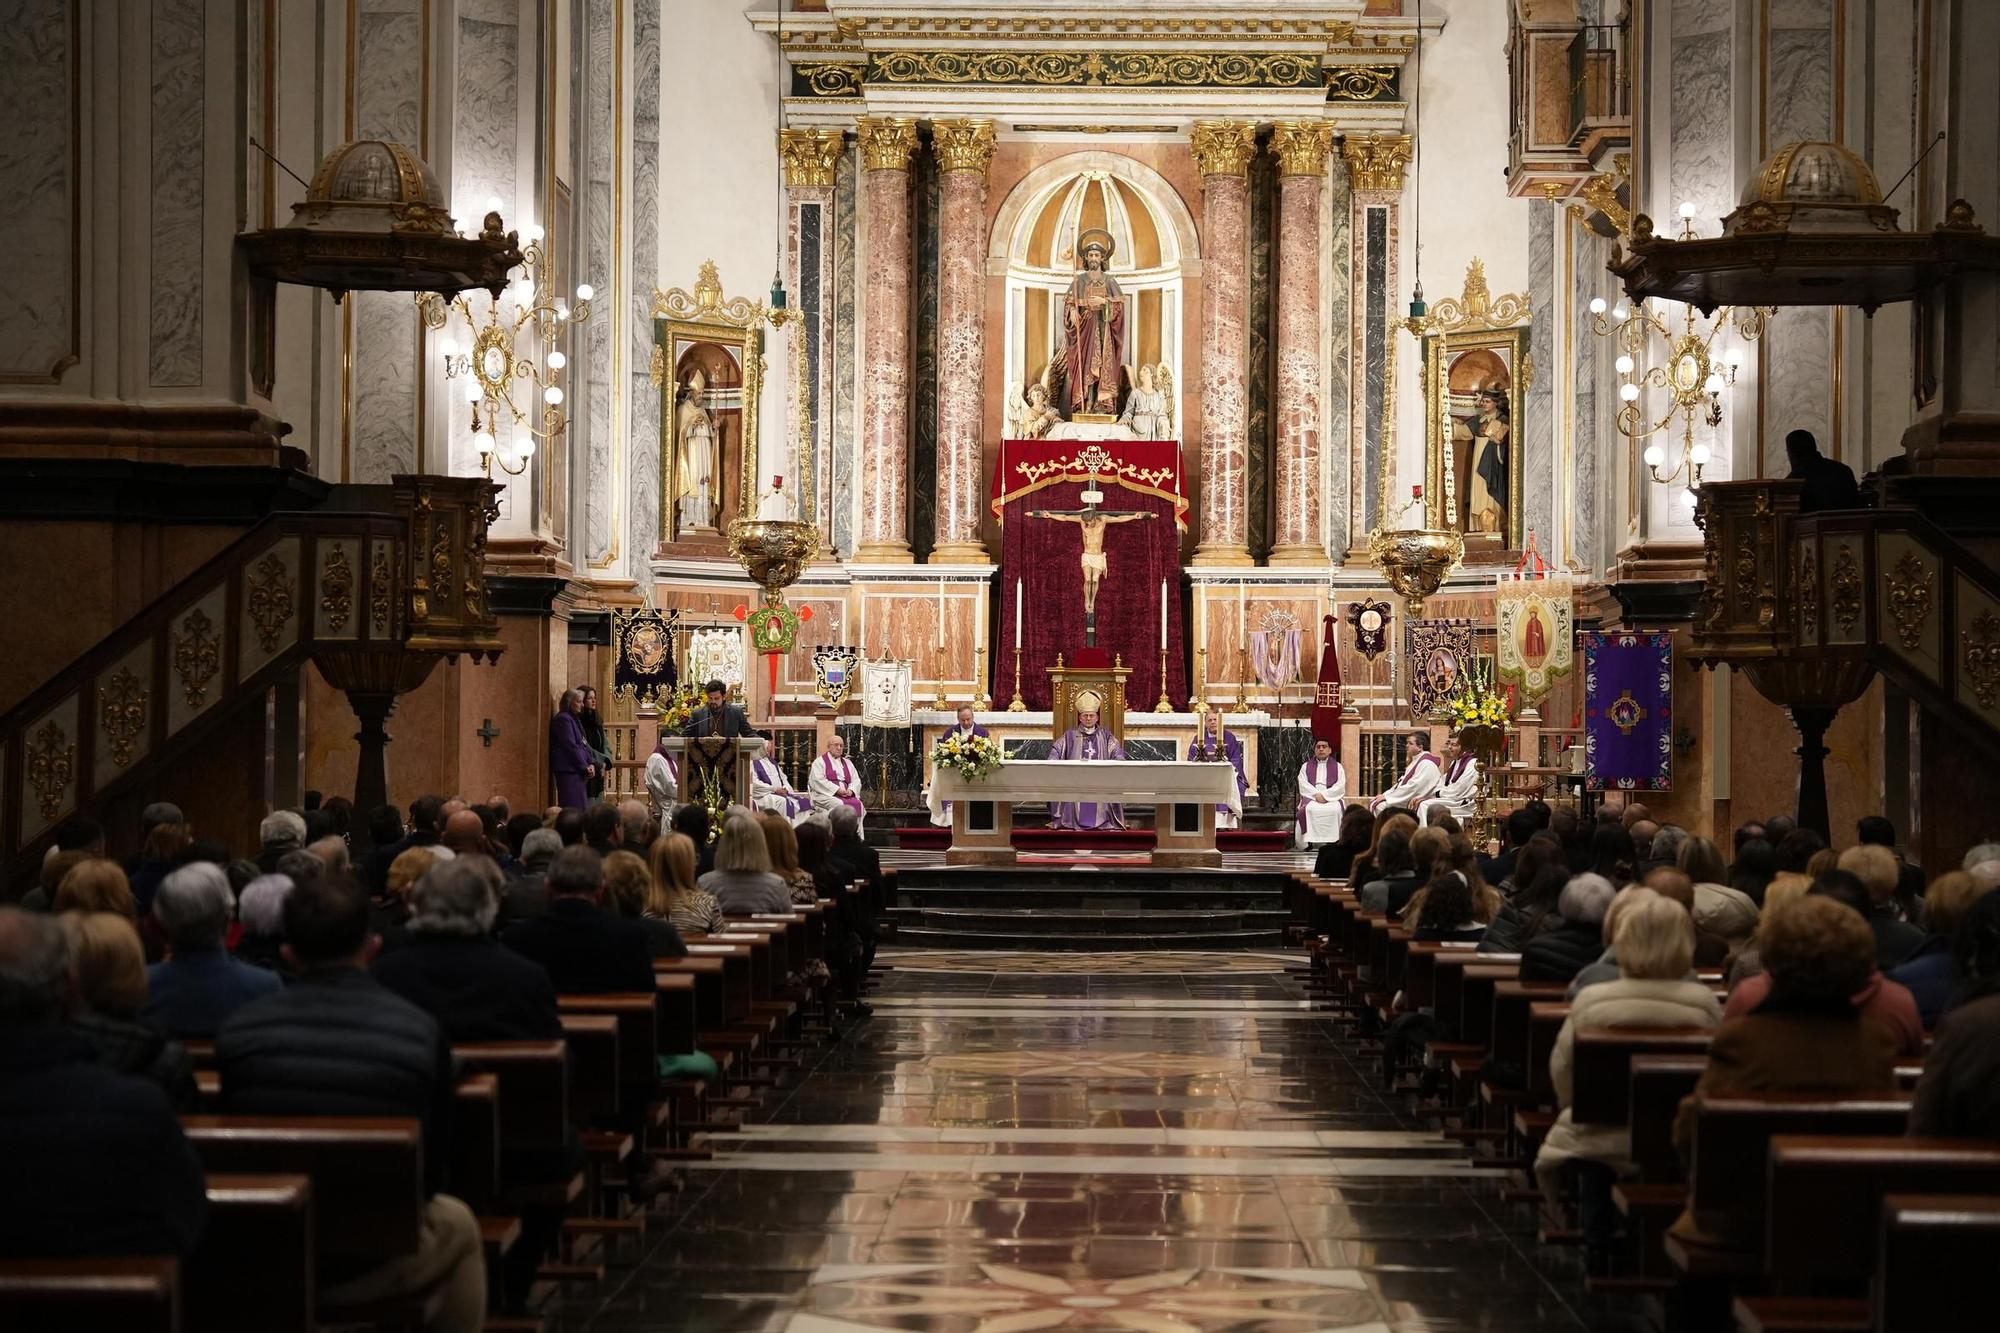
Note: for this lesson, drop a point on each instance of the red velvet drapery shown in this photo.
(1046, 557)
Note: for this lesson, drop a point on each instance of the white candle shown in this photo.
(1017, 613)
(1241, 619)
(940, 613)
(1163, 615)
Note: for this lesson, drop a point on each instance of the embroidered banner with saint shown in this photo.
(1628, 686)
(1535, 641)
(1440, 660)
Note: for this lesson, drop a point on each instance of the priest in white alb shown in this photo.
(1087, 740)
(1322, 796)
(663, 781)
(772, 791)
(1458, 791)
(1419, 779)
(835, 780)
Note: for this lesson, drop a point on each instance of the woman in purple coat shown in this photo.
(570, 760)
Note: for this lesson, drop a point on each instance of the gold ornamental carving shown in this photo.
(1980, 657)
(1846, 589)
(1909, 589)
(829, 80)
(440, 589)
(810, 157)
(379, 596)
(1808, 593)
(963, 145)
(51, 768)
(197, 656)
(121, 713)
(272, 595)
(1099, 69)
(336, 588)
(1223, 147)
(886, 142)
(1601, 192)
(1360, 83)
(1474, 310)
(1745, 574)
(1376, 161)
(1302, 146)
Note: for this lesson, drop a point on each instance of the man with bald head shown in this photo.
(634, 823)
(465, 833)
(1631, 813)
(1642, 832)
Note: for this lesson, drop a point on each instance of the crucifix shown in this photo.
(486, 733)
(1092, 521)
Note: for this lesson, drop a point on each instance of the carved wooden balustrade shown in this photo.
(375, 588)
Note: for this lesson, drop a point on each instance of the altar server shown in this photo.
(772, 791)
(663, 781)
(1213, 745)
(835, 780)
(1458, 792)
(1087, 740)
(1419, 780)
(964, 728)
(1322, 796)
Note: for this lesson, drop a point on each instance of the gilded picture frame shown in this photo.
(723, 338)
(1452, 411)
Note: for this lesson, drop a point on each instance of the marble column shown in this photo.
(1376, 166)
(965, 151)
(886, 144)
(1222, 151)
(810, 158)
(1301, 147)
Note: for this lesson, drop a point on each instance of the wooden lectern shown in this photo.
(724, 759)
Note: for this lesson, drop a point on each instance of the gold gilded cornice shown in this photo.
(1302, 146)
(1223, 147)
(1601, 192)
(1360, 83)
(886, 142)
(826, 79)
(963, 145)
(1098, 68)
(1377, 160)
(810, 156)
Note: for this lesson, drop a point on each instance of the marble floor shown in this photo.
(1162, 1142)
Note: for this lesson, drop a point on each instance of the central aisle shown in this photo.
(1149, 1141)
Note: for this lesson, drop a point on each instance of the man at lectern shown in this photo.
(720, 718)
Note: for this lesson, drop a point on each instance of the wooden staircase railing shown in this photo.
(382, 580)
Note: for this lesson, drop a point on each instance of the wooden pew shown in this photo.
(1601, 1067)
(1929, 1245)
(68, 1295)
(253, 1271)
(474, 1171)
(533, 1089)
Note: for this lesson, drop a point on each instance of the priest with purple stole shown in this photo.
(1214, 745)
(773, 793)
(965, 727)
(1087, 740)
(1457, 791)
(835, 780)
(1322, 797)
(1419, 781)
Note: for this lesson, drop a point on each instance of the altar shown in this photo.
(1184, 797)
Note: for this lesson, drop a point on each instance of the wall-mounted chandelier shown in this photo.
(1692, 375)
(505, 355)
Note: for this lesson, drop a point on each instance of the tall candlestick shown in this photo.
(1241, 619)
(1163, 621)
(940, 615)
(1017, 615)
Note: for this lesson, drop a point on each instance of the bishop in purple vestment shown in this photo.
(570, 760)
(1087, 740)
(1212, 746)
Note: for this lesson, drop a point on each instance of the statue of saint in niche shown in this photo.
(1484, 444)
(694, 432)
(1093, 331)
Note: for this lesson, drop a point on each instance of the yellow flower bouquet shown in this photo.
(971, 757)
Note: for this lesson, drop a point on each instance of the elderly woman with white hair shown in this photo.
(261, 909)
(1559, 954)
(199, 985)
(280, 831)
(451, 967)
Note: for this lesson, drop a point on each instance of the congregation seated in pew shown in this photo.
(583, 947)
(453, 969)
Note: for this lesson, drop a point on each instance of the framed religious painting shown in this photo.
(1476, 370)
(708, 364)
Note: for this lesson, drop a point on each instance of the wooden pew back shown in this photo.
(534, 1089)
(60, 1295)
(1601, 1067)
(1658, 1084)
(1727, 1181)
(253, 1271)
(1930, 1244)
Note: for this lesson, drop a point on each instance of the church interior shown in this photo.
(827, 665)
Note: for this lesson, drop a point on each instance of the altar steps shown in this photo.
(1088, 909)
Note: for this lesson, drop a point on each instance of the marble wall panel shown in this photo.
(845, 335)
(1337, 311)
(643, 447)
(1375, 361)
(1537, 451)
(1797, 356)
(38, 209)
(1585, 544)
(484, 149)
(599, 200)
(1700, 106)
(1261, 308)
(179, 190)
(387, 85)
(924, 292)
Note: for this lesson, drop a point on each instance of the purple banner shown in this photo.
(1628, 690)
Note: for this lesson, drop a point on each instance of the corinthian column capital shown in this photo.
(1377, 160)
(809, 156)
(963, 145)
(1223, 147)
(1302, 146)
(886, 142)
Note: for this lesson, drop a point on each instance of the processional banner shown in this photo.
(1628, 687)
(885, 694)
(1149, 467)
(644, 670)
(1441, 660)
(1535, 641)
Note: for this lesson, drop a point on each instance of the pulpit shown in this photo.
(715, 770)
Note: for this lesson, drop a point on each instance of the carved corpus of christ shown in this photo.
(1092, 521)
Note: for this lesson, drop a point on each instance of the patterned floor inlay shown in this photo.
(1131, 963)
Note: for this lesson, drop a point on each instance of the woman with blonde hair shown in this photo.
(742, 880)
(96, 885)
(783, 844)
(628, 889)
(676, 897)
(110, 970)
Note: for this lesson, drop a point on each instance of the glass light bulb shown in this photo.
(1700, 454)
(1713, 384)
(1597, 306)
(552, 395)
(1655, 455)
(482, 442)
(557, 360)
(1620, 313)
(493, 204)
(448, 345)
(1628, 392)
(534, 231)
(1734, 356)
(1624, 364)
(1687, 209)
(473, 392)
(527, 448)
(1687, 499)
(585, 291)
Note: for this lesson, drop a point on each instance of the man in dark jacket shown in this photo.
(96, 1161)
(1829, 484)
(1559, 954)
(426, 815)
(453, 969)
(337, 1042)
(720, 717)
(583, 948)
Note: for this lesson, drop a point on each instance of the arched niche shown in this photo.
(1033, 243)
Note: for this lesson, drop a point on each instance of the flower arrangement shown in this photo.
(1477, 705)
(713, 800)
(677, 709)
(971, 757)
